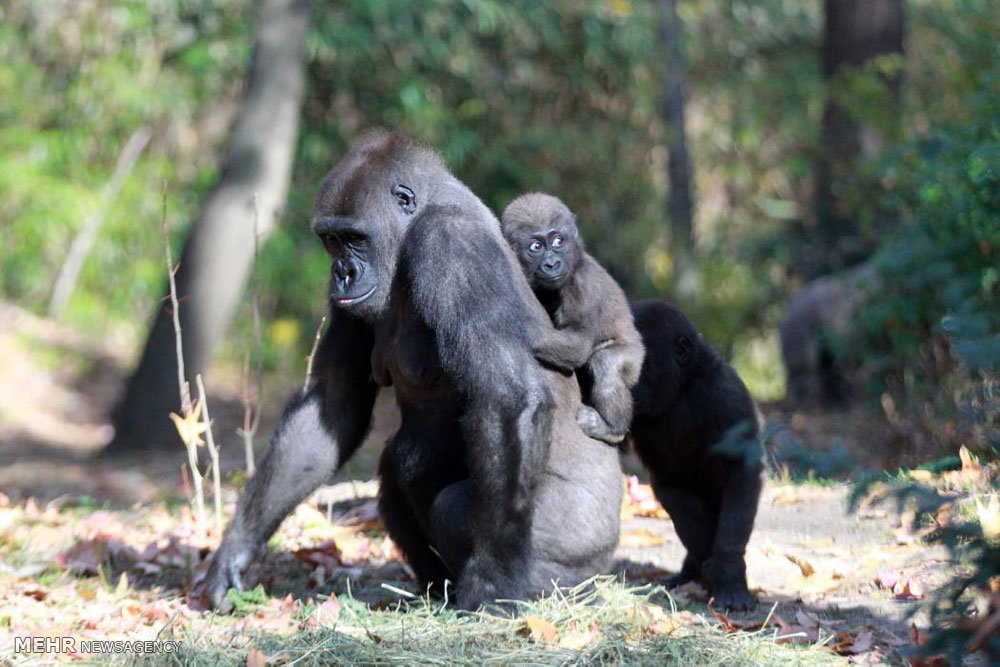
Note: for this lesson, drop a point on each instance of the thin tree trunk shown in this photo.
(219, 251)
(84, 241)
(680, 203)
(855, 31)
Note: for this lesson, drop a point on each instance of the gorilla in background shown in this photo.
(489, 481)
(594, 331)
(696, 431)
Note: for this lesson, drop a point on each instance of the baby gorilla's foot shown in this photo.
(593, 424)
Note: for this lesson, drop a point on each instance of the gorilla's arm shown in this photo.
(316, 434)
(463, 291)
(563, 349)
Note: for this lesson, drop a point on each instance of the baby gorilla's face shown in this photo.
(547, 257)
(542, 231)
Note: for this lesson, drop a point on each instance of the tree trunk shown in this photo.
(219, 251)
(855, 32)
(672, 103)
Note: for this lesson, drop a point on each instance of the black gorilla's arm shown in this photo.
(316, 434)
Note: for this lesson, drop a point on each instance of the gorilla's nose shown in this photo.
(346, 272)
(552, 265)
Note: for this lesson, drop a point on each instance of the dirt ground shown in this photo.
(809, 558)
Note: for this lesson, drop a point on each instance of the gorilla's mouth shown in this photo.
(352, 300)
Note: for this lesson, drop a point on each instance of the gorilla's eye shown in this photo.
(535, 246)
(558, 241)
(405, 198)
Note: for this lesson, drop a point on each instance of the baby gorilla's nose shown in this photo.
(552, 265)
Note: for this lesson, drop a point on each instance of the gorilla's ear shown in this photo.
(683, 350)
(405, 198)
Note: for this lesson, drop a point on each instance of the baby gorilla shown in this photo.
(696, 431)
(592, 328)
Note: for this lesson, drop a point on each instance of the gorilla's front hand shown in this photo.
(228, 565)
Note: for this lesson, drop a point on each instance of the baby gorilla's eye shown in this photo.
(558, 241)
(405, 198)
(535, 246)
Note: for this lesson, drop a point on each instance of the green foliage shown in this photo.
(935, 321)
(244, 602)
(76, 79)
(517, 96)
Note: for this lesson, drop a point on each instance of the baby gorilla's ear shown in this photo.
(683, 350)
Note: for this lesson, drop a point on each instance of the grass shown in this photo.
(602, 622)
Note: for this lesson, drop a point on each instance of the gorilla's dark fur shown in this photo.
(489, 481)
(696, 430)
(593, 329)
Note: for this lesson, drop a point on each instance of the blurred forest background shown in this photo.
(724, 154)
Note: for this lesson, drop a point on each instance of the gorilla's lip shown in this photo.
(350, 301)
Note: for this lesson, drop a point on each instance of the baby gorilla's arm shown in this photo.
(563, 349)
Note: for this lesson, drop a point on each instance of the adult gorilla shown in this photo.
(489, 481)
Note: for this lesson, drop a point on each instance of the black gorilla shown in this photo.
(696, 430)
(593, 329)
(489, 481)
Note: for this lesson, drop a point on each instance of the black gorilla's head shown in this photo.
(362, 210)
(542, 231)
(675, 355)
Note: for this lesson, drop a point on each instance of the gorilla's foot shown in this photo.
(726, 577)
(679, 579)
(733, 598)
(484, 584)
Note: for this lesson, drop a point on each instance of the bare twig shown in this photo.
(247, 431)
(312, 355)
(85, 238)
(213, 452)
(182, 383)
(184, 424)
(251, 413)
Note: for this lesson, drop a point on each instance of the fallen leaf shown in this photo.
(576, 639)
(83, 557)
(641, 538)
(989, 517)
(785, 495)
(887, 579)
(723, 619)
(256, 658)
(36, 593)
(540, 630)
(804, 566)
(820, 582)
(122, 586)
(863, 641)
(907, 590)
(806, 619)
(326, 555)
(923, 476)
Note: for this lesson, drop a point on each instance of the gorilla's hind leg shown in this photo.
(695, 524)
(405, 530)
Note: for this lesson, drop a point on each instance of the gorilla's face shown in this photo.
(362, 211)
(547, 257)
(542, 231)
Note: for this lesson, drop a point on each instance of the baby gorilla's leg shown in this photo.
(609, 418)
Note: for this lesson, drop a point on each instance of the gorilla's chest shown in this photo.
(405, 357)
